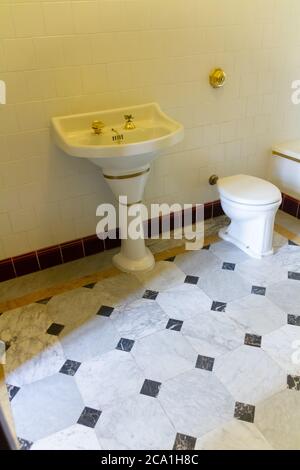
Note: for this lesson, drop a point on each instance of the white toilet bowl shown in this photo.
(251, 204)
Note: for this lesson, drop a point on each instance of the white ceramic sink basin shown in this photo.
(115, 147)
(122, 142)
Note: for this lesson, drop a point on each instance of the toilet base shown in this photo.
(224, 234)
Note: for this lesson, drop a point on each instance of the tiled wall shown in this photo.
(60, 57)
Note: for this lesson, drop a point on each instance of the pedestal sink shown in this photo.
(122, 142)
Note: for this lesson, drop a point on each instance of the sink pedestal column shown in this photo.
(134, 256)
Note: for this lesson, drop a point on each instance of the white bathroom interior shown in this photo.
(114, 342)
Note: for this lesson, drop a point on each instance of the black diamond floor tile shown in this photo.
(55, 329)
(105, 311)
(291, 243)
(174, 325)
(244, 412)
(24, 444)
(228, 266)
(172, 259)
(294, 320)
(44, 301)
(150, 295)
(293, 382)
(218, 306)
(89, 417)
(258, 290)
(294, 276)
(206, 247)
(150, 388)
(183, 442)
(125, 344)
(90, 286)
(70, 367)
(253, 340)
(192, 280)
(205, 363)
(12, 391)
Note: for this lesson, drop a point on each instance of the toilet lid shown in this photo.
(248, 190)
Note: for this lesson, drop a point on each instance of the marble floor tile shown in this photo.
(228, 253)
(46, 407)
(286, 295)
(163, 355)
(287, 259)
(90, 339)
(225, 286)
(137, 423)
(256, 314)
(119, 291)
(278, 420)
(283, 346)
(164, 276)
(108, 379)
(261, 272)
(236, 435)
(141, 318)
(25, 322)
(249, 374)
(183, 302)
(74, 307)
(213, 333)
(76, 437)
(198, 263)
(187, 397)
(32, 359)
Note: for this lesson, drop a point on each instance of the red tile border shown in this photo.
(26, 264)
(7, 270)
(76, 249)
(72, 251)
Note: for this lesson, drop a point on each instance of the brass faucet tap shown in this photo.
(97, 127)
(129, 124)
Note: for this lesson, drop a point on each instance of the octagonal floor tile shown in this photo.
(119, 291)
(278, 420)
(283, 346)
(213, 333)
(286, 295)
(236, 435)
(110, 378)
(184, 301)
(250, 374)
(139, 319)
(196, 402)
(90, 339)
(75, 437)
(256, 314)
(164, 276)
(225, 286)
(138, 423)
(198, 263)
(164, 355)
(46, 407)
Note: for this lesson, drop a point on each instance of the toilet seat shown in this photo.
(248, 190)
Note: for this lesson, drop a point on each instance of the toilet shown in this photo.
(251, 203)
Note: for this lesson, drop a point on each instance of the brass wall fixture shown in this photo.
(217, 78)
(213, 180)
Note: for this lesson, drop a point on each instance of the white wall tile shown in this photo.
(61, 56)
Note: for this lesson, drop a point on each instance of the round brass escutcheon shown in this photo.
(217, 78)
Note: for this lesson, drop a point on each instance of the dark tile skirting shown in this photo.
(91, 245)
